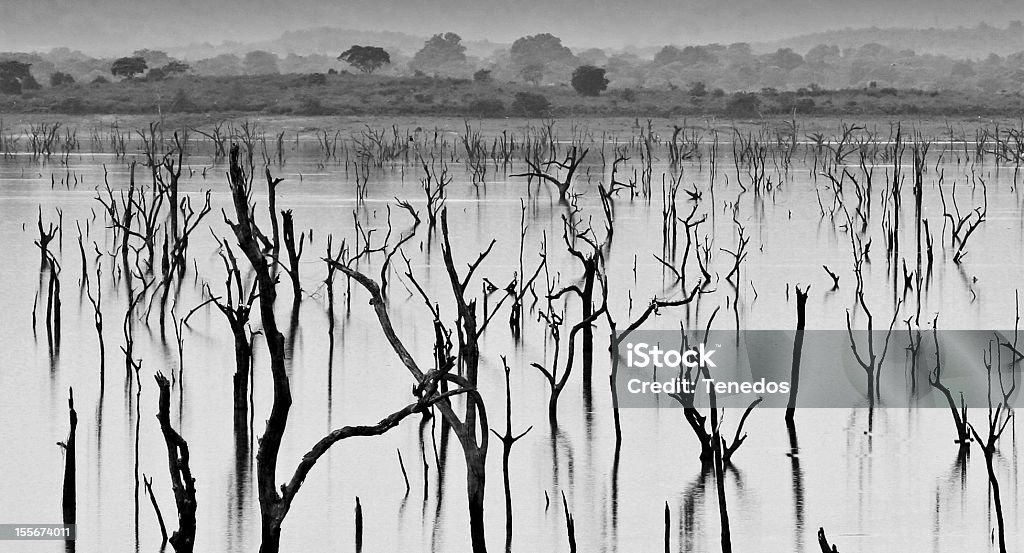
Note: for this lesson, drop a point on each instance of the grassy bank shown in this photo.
(361, 95)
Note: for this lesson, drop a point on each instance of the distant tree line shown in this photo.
(543, 60)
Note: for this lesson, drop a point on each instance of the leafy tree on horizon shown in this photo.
(443, 53)
(365, 58)
(128, 67)
(589, 80)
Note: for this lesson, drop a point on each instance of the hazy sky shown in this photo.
(119, 26)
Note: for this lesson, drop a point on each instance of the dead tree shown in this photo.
(556, 382)
(591, 261)
(570, 164)
(69, 496)
(236, 306)
(823, 543)
(998, 419)
(508, 439)
(963, 433)
(148, 483)
(798, 343)
(616, 339)
(294, 254)
(471, 428)
(182, 483)
(275, 501)
(46, 235)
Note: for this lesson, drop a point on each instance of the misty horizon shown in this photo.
(108, 28)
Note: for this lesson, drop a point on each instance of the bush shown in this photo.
(628, 95)
(58, 78)
(742, 104)
(698, 90)
(804, 105)
(487, 107)
(315, 79)
(482, 76)
(101, 80)
(717, 93)
(10, 86)
(589, 80)
(529, 104)
(70, 106)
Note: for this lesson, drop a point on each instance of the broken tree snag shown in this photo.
(46, 235)
(798, 344)
(294, 254)
(272, 205)
(823, 543)
(148, 482)
(570, 525)
(668, 522)
(182, 484)
(68, 498)
(359, 526)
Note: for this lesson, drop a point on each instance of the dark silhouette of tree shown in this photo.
(443, 53)
(365, 58)
(588, 80)
(128, 67)
(15, 77)
(482, 76)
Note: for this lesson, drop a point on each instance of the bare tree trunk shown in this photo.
(182, 483)
(798, 344)
(69, 497)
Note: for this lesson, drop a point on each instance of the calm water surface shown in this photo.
(898, 488)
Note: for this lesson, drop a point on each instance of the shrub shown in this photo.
(589, 80)
(698, 90)
(742, 104)
(487, 107)
(482, 76)
(70, 106)
(804, 105)
(315, 79)
(529, 104)
(628, 95)
(10, 86)
(58, 78)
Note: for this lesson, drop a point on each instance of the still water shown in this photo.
(899, 487)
